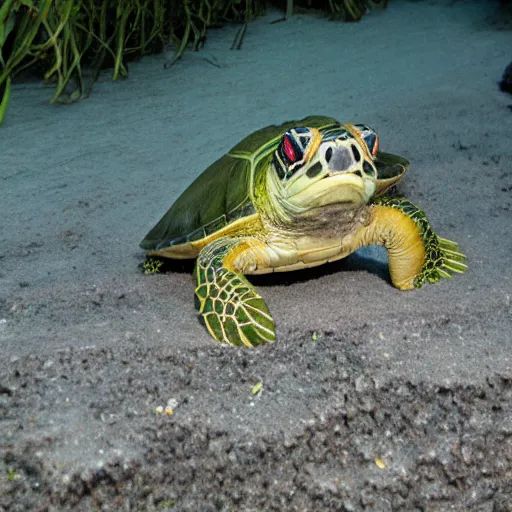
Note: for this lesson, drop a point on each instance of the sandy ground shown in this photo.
(373, 399)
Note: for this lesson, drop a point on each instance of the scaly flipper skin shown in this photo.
(415, 253)
(232, 309)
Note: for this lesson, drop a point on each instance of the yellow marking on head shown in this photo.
(314, 144)
(356, 133)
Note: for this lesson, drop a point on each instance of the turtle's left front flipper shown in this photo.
(232, 309)
(415, 252)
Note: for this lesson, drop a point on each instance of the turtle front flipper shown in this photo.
(415, 253)
(232, 309)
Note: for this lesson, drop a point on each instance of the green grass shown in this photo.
(68, 42)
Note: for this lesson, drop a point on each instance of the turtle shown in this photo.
(288, 197)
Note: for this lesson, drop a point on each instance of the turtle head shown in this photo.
(317, 169)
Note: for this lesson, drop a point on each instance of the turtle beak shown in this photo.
(350, 188)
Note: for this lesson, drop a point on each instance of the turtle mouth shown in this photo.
(348, 188)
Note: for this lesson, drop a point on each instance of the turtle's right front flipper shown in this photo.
(232, 309)
(416, 254)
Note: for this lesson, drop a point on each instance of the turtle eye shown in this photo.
(370, 137)
(290, 149)
(290, 152)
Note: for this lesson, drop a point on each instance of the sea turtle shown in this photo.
(290, 197)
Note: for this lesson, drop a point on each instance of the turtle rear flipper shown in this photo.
(232, 309)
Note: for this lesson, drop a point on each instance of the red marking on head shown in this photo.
(375, 146)
(288, 148)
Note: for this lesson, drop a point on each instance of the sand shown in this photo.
(373, 399)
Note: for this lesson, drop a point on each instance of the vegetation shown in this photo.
(152, 265)
(68, 42)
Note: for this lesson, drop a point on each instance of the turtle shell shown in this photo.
(222, 194)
